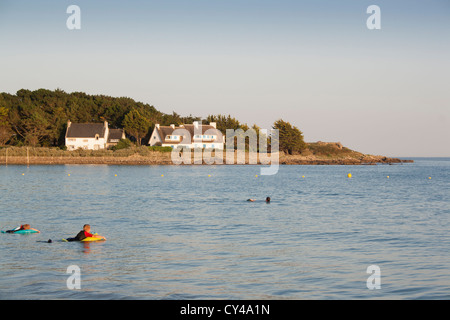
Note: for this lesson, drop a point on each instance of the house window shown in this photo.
(172, 137)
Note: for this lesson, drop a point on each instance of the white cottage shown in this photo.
(91, 136)
(191, 136)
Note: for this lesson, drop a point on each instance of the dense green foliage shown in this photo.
(136, 125)
(5, 128)
(290, 137)
(224, 122)
(39, 119)
(122, 144)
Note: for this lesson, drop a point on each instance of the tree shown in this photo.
(226, 122)
(290, 137)
(5, 127)
(136, 125)
(262, 136)
(30, 123)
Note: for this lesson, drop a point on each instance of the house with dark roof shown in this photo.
(191, 136)
(92, 136)
(114, 136)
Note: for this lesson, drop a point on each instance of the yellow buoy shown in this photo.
(23, 174)
(429, 177)
(115, 175)
(349, 175)
(303, 176)
(388, 177)
(162, 175)
(68, 174)
(256, 176)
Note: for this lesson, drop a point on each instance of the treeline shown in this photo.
(39, 118)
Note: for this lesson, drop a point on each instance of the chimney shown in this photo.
(213, 124)
(68, 123)
(172, 126)
(196, 124)
(157, 126)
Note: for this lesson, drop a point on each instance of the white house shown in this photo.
(191, 136)
(91, 136)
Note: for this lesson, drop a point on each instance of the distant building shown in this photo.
(92, 136)
(192, 136)
(114, 136)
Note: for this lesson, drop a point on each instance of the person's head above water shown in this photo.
(87, 228)
(268, 199)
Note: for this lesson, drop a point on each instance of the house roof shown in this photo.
(86, 130)
(164, 131)
(115, 134)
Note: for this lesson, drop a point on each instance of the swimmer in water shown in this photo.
(85, 233)
(253, 200)
(23, 227)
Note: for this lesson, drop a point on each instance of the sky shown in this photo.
(313, 63)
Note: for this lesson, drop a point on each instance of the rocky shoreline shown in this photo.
(364, 160)
(159, 158)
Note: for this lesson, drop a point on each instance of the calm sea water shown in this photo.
(188, 235)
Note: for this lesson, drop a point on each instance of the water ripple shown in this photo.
(190, 236)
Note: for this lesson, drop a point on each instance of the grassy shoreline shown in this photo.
(150, 156)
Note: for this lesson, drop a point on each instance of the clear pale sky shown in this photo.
(313, 63)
